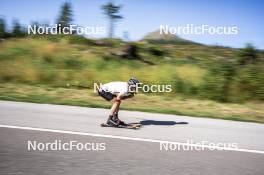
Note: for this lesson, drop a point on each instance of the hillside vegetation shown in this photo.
(195, 71)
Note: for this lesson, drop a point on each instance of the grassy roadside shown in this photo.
(251, 112)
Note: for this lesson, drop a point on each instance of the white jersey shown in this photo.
(116, 87)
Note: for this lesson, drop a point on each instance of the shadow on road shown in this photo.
(155, 122)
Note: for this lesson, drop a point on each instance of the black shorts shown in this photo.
(106, 95)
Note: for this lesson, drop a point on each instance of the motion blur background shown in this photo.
(212, 76)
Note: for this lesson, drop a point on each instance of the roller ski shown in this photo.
(127, 126)
(115, 122)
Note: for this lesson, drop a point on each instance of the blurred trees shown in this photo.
(247, 55)
(65, 16)
(2, 28)
(111, 11)
(18, 30)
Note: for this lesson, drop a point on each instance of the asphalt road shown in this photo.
(123, 156)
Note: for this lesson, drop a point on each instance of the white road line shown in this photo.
(132, 138)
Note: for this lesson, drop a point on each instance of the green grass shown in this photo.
(250, 112)
(41, 61)
(194, 70)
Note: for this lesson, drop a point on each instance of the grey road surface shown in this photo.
(119, 157)
(124, 156)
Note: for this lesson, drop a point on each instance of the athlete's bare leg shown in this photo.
(115, 106)
(117, 110)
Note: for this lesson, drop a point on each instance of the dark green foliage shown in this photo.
(180, 86)
(17, 29)
(250, 82)
(185, 88)
(2, 28)
(247, 55)
(130, 51)
(218, 81)
(156, 51)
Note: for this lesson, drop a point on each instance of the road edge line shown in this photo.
(130, 138)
